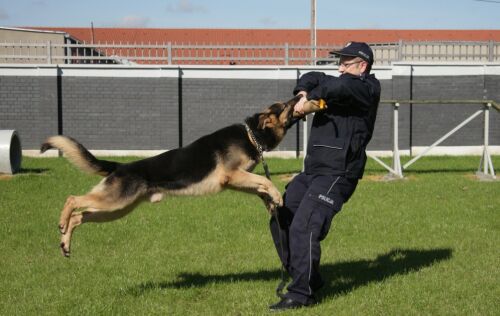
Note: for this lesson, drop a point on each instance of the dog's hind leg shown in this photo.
(110, 194)
(90, 215)
(106, 202)
(68, 208)
(93, 200)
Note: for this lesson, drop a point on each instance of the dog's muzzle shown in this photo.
(291, 121)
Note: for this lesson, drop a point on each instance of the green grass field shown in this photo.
(427, 245)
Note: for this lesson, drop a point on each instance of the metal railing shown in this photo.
(485, 171)
(283, 54)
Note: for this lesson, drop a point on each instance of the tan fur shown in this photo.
(236, 158)
(105, 202)
(71, 151)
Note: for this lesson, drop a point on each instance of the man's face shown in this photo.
(352, 65)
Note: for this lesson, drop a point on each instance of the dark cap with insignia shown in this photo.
(356, 49)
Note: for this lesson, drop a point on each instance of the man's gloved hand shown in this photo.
(304, 106)
(298, 109)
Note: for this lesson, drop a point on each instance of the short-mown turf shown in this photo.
(427, 245)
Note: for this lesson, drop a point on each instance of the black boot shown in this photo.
(287, 303)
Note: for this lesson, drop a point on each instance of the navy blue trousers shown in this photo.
(309, 204)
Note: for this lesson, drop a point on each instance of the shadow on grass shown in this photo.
(32, 171)
(341, 278)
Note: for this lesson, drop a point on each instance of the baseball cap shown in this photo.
(356, 49)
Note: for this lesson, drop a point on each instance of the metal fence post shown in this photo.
(286, 54)
(396, 160)
(487, 172)
(491, 52)
(486, 137)
(395, 172)
(49, 52)
(67, 49)
(400, 50)
(169, 53)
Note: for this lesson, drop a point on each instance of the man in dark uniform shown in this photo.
(345, 110)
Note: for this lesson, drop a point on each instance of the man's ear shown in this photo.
(364, 66)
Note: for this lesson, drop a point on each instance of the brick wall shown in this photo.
(209, 104)
(29, 105)
(142, 112)
(121, 113)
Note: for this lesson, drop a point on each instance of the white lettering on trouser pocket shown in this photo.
(326, 199)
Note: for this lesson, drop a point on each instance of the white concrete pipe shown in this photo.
(10, 152)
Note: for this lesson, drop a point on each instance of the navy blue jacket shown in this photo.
(340, 134)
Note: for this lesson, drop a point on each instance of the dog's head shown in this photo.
(270, 126)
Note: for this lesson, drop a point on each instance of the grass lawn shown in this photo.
(427, 245)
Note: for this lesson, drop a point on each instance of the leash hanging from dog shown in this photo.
(284, 279)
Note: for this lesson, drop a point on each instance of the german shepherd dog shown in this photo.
(223, 159)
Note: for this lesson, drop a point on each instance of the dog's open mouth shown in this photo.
(291, 121)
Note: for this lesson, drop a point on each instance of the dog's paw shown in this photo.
(277, 199)
(62, 228)
(271, 206)
(272, 209)
(64, 249)
(268, 203)
(275, 196)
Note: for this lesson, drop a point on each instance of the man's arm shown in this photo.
(304, 106)
(309, 81)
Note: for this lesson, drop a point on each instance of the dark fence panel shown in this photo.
(156, 112)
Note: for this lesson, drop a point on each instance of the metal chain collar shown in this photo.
(257, 145)
(260, 150)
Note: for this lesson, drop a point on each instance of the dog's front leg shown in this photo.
(250, 182)
(269, 204)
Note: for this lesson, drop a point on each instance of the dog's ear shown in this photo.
(265, 121)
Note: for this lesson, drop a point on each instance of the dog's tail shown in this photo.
(79, 155)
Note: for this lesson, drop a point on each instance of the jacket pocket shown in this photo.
(329, 153)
